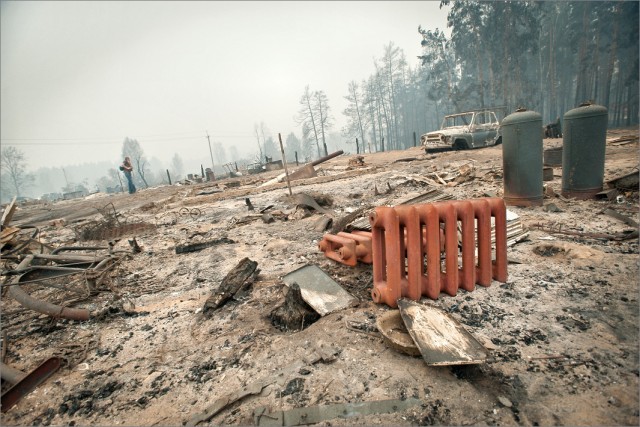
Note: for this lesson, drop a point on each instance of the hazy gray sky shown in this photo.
(77, 77)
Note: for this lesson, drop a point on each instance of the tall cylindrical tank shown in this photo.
(583, 147)
(522, 158)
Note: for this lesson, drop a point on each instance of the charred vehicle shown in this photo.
(462, 131)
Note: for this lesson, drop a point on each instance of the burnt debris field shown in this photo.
(211, 303)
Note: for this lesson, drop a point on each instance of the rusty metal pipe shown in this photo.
(78, 248)
(70, 258)
(53, 310)
(20, 295)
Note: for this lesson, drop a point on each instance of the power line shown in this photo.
(51, 142)
(162, 137)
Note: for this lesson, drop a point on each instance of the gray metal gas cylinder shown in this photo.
(583, 147)
(522, 158)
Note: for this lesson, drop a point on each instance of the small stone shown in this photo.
(304, 371)
(505, 402)
(613, 401)
(551, 207)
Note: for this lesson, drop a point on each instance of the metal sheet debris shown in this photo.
(319, 290)
(316, 414)
(442, 340)
(395, 333)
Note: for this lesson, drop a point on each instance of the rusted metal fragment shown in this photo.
(239, 278)
(626, 182)
(194, 247)
(307, 171)
(107, 231)
(316, 414)
(40, 272)
(30, 382)
(319, 290)
(442, 340)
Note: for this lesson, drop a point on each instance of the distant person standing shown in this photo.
(127, 169)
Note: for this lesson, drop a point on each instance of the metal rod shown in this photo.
(284, 161)
(29, 382)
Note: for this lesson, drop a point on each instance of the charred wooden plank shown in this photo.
(239, 278)
(294, 314)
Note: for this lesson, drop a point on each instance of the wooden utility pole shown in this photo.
(65, 177)
(121, 186)
(211, 154)
(284, 161)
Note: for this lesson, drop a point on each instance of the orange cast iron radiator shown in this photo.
(399, 263)
(347, 248)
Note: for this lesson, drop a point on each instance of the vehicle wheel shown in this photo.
(460, 144)
(499, 141)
